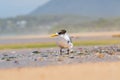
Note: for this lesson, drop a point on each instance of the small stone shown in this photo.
(36, 52)
(71, 57)
(8, 59)
(118, 50)
(101, 55)
(111, 53)
(12, 57)
(16, 62)
(60, 59)
(5, 55)
(35, 59)
(40, 59)
(13, 52)
(3, 58)
(44, 55)
(80, 53)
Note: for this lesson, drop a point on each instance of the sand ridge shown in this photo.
(81, 34)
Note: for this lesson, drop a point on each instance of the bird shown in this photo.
(63, 41)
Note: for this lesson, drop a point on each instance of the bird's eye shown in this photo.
(59, 33)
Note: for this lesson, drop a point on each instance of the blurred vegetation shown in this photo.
(45, 24)
(53, 44)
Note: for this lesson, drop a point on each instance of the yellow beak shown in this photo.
(53, 35)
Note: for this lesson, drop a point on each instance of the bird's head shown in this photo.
(63, 31)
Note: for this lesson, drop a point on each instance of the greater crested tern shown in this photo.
(63, 41)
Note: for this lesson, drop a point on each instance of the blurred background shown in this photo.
(38, 17)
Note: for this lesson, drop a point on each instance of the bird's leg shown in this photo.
(68, 51)
(60, 51)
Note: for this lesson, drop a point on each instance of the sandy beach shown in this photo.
(88, 71)
(86, 63)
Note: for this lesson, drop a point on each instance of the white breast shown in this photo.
(61, 42)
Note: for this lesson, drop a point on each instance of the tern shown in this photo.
(63, 41)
